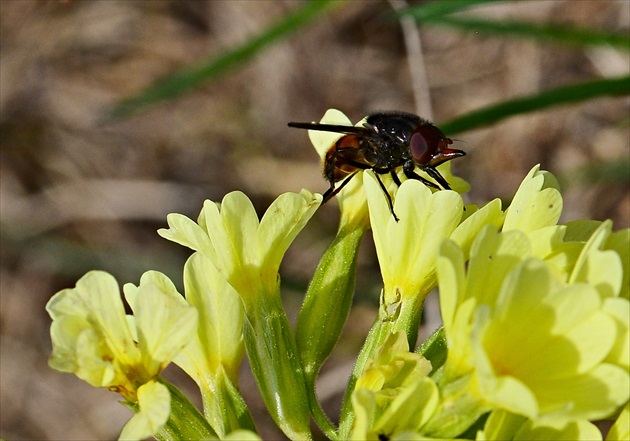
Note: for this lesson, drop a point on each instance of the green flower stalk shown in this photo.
(329, 296)
(247, 254)
(94, 339)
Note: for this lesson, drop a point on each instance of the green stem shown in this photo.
(274, 360)
(318, 413)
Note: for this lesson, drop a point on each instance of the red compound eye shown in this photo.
(423, 144)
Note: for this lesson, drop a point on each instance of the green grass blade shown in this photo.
(179, 83)
(616, 172)
(510, 28)
(550, 98)
(436, 9)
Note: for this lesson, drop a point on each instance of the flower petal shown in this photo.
(560, 430)
(240, 222)
(621, 429)
(452, 279)
(407, 249)
(466, 232)
(322, 141)
(154, 401)
(594, 395)
(94, 304)
(619, 310)
(536, 204)
(281, 223)
(165, 326)
(186, 232)
(210, 217)
(220, 317)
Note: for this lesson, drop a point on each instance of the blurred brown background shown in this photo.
(79, 192)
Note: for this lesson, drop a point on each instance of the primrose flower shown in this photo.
(535, 210)
(523, 340)
(407, 252)
(214, 354)
(407, 249)
(247, 252)
(94, 339)
(394, 395)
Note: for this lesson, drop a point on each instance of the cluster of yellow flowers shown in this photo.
(536, 316)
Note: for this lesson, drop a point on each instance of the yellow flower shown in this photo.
(407, 249)
(94, 339)
(214, 354)
(394, 395)
(531, 343)
(246, 251)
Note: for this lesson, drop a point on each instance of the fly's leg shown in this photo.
(408, 168)
(389, 198)
(395, 178)
(332, 191)
(438, 177)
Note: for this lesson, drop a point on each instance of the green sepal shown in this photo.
(326, 308)
(328, 300)
(435, 349)
(276, 366)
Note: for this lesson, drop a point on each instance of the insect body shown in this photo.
(385, 142)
